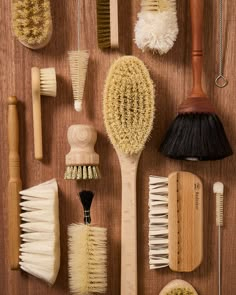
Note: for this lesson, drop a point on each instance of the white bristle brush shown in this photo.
(157, 26)
(218, 189)
(78, 61)
(43, 83)
(40, 238)
(87, 253)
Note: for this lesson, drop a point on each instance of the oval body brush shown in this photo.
(197, 133)
(178, 287)
(128, 108)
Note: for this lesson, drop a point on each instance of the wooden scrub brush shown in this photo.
(107, 24)
(175, 221)
(32, 22)
(178, 287)
(87, 253)
(128, 110)
(157, 26)
(82, 161)
(197, 133)
(40, 239)
(43, 83)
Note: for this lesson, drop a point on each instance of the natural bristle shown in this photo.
(128, 104)
(180, 291)
(32, 22)
(157, 5)
(87, 259)
(178, 287)
(196, 136)
(48, 82)
(218, 188)
(82, 172)
(103, 24)
(78, 61)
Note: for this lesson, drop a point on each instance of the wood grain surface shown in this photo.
(172, 76)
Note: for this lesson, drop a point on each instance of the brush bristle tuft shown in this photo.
(82, 172)
(78, 61)
(196, 137)
(128, 104)
(103, 24)
(32, 22)
(87, 259)
(48, 82)
(218, 189)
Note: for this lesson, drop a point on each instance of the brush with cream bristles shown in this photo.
(87, 253)
(157, 26)
(218, 189)
(78, 61)
(32, 22)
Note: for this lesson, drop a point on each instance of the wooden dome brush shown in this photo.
(128, 110)
(82, 161)
(87, 253)
(197, 133)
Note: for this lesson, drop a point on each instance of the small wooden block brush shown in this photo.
(14, 184)
(82, 161)
(87, 253)
(176, 221)
(197, 133)
(218, 189)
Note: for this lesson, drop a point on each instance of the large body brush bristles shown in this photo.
(197, 133)
(157, 27)
(128, 108)
(178, 287)
(87, 253)
(43, 83)
(32, 22)
(107, 24)
(40, 247)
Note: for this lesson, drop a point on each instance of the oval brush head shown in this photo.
(178, 287)
(32, 22)
(128, 104)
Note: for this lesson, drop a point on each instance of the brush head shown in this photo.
(78, 61)
(196, 137)
(87, 259)
(157, 27)
(218, 189)
(48, 82)
(32, 23)
(86, 198)
(178, 287)
(103, 24)
(128, 104)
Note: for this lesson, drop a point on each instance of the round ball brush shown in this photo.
(197, 133)
(87, 253)
(178, 287)
(82, 161)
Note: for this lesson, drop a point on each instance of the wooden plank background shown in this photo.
(172, 76)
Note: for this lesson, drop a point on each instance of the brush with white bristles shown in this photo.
(87, 253)
(157, 26)
(218, 189)
(78, 61)
(40, 239)
(43, 83)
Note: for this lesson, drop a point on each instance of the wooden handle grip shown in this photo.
(14, 184)
(196, 8)
(37, 119)
(129, 285)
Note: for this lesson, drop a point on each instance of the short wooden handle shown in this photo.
(37, 119)
(14, 184)
(129, 272)
(196, 8)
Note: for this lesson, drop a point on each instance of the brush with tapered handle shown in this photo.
(14, 184)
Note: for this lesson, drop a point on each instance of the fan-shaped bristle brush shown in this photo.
(32, 22)
(218, 189)
(82, 161)
(197, 133)
(87, 253)
(157, 27)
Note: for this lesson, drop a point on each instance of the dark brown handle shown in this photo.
(14, 184)
(196, 8)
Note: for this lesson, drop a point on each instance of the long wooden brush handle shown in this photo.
(14, 184)
(129, 273)
(196, 7)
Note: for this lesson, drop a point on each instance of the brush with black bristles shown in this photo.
(197, 133)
